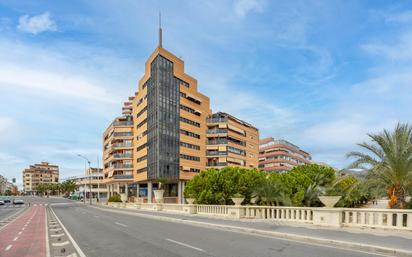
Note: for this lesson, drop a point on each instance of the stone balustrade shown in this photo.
(331, 217)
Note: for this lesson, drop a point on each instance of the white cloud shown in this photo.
(402, 17)
(244, 7)
(399, 51)
(36, 24)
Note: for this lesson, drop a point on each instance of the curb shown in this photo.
(283, 236)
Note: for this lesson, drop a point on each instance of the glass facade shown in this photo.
(163, 108)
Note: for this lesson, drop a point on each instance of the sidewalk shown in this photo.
(388, 242)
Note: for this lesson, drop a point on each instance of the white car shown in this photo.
(1, 202)
(18, 201)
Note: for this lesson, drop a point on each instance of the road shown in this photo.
(99, 233)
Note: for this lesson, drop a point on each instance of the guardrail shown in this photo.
(331, 217)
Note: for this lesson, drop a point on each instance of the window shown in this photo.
(141, 170)
(189, 157)
(188, 109)
(187, 145)
(194, 123)
(142, 158)
(141, 112)
(188, 133)
(142, 147)
(141, 123)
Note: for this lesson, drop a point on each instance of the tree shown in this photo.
(271, 192)
(388, 161)
(68, 186)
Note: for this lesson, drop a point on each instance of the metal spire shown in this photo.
(160, 29)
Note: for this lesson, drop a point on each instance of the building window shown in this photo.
(142, 158)
(191, 122)
(190, 134)
(141, 170)
(141, 112)
(141, 123)
(141, 147)
(189, 157)
(187, 145)
(188, 109)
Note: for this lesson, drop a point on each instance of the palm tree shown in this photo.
(389, 162)
(270, 192)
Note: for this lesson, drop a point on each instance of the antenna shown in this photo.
(160, 29)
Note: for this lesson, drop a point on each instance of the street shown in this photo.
(100, 233)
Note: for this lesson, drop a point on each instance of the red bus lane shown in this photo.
(26, 235)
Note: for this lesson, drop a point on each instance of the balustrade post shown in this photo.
(190, 208)
(331, 217)
(399, 220)
(409, 220)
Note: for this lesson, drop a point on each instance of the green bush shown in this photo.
(115, 199)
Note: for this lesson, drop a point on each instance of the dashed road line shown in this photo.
(57, 235)
(8, 247)
(121, 224)
(185, 245)
(14, 239)
(61, 244)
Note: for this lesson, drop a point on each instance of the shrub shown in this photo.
(115, 198)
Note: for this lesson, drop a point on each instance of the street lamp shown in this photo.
(90, 180)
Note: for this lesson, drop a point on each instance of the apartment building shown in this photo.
(37, 174)
(91, 184)
(118, 144)
(165, 135)
(3, 184)
(277, 155)
(231, 142)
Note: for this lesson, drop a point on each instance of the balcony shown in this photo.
(217, 142)
(216, 131)
(216, 153)
(216, 164)
(123, 123)
(123, 176)
(216, 120)
(122, 134)
(122, 155)
(123, 166)
(120, 145)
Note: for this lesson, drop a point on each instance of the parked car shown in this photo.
(7, 200)
(18, 201)
(1, 202)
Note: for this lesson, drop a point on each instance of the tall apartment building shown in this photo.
(165, 135)
(277, 155)
(37, 174)
(118, 144)
(231, 142)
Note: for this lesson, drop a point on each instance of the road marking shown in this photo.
(8, 247)
(120, 224)
(55, 229)
(15, 238)
(75, 245)
(47, 234)
(57, 235)
(61, 244)
(186, 245)
(20, 233)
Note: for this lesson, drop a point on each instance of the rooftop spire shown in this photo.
(160, 29)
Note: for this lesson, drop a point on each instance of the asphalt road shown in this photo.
(99, 233)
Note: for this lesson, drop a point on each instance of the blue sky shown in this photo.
(321, 74)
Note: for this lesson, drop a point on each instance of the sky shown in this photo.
(321, 74)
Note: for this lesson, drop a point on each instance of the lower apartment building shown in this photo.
(37, 174)
(277, 155)
(91, 184)
(231, 142)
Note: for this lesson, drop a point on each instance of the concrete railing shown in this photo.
(331, 217)
(383, 218)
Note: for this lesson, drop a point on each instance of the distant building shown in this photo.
(277, 155)
(93, 179)
(37, 174)
(231, 142)
(3, 185)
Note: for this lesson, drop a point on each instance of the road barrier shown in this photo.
(335, 217)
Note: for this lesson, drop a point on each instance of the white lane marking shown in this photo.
(57, 235)
(20, 233)
(61, 244)
(186, 245)
(120, 224)
(55, 229)
(8, 247)
(23, 229)
(75, 245)
(14, 239)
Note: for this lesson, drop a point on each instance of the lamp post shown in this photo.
(90, 182)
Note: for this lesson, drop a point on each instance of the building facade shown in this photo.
(165, 133)
(277, 155)
(118, 144)
(91, 184)
(42, 173)
(231, 142)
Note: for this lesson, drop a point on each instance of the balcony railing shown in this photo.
(216, 120)
(123, 123)
(123, 134)
(214, 153)
(123, 176)
(217, 142)
(216, 164)
(120, 156)
(122, 166)
(216, 131)
(122, 145)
